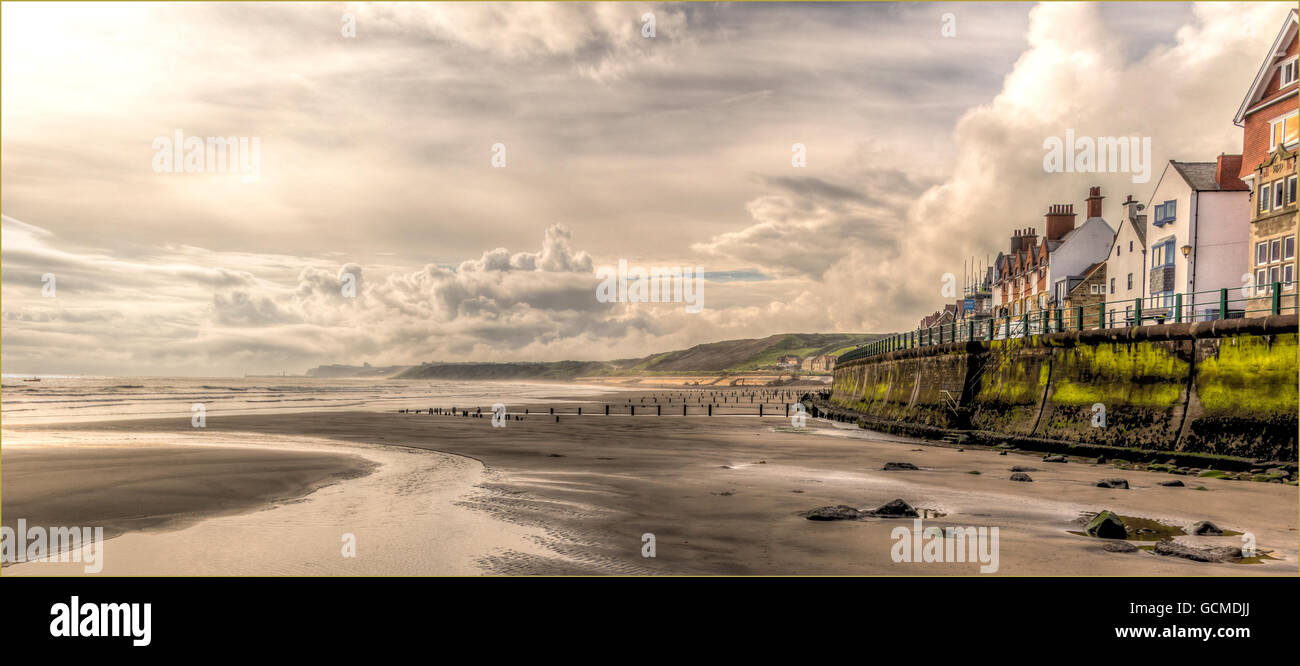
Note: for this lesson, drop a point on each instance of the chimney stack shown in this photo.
(1131, 208)
(1060, 221)
(1028, 239)
(1226, 172)
(1094, 202)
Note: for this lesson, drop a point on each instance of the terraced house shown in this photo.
(1036, 275)
(1196, 242)
(1269, 118)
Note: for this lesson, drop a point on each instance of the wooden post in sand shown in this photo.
(659, 410)
(579, 411)
(606, 410)
(760, 410)
(553, 412)
(710, 410)
(633, 408)
(683, 409)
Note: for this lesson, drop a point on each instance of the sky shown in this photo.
(922, 126)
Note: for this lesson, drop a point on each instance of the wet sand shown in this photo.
(254, 504)
(728, 494)
(157, 486)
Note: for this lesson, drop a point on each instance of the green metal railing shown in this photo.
(1278, 298)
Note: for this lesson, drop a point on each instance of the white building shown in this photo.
(1199, 236)
(1126, 265)
(1079, 249)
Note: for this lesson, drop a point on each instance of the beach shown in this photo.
(723, 494)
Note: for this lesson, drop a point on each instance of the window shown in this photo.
(1112, 285)
(1274, 262)
(1130, 282)
(1162, 253)
(1166, 213)
(1288, 69)
(1094, 289)
(1283, 131)
(1265, 195)
(1162, 299)
(1290, 191)
(1117, 250)
(1279, 195)
(1130, 246)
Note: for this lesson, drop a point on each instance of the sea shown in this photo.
(71, 399)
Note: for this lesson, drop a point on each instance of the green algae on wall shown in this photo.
(1138, 374)
(1161, 389)
(1250, 376)
(1246, 397)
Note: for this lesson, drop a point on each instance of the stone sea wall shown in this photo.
(1218, 388)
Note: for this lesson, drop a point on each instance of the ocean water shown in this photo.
(63, 399)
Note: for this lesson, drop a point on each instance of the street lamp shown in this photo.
(1187, 250)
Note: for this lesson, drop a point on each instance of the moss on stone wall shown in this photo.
(1233, 395)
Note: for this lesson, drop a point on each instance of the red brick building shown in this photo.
(1271, 124)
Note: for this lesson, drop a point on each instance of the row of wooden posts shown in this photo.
(479, 413)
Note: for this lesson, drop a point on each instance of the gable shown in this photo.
(1285, 39)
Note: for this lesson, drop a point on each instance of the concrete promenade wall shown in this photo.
(1218, 388)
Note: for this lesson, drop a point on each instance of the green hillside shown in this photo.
(728, 356)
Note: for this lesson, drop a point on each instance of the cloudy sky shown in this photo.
(671, 150)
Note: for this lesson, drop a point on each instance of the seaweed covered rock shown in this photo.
(1106, 525)
(1216, 554)
(1206, 528)
(895, 509)
(841, 512)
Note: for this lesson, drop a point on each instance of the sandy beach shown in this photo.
(725, 494)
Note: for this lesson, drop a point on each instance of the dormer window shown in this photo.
(1289, 73)
(1166, 212)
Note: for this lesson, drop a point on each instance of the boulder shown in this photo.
(1172, 484)
(1121, 484)
(898, 466)
(1020, 476)
(1106, 525)
(1054, 459)
(1119, 547)
(841, 512)
(1022, 468)
(1206, 528)
(1216, 554)
(895, 509)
